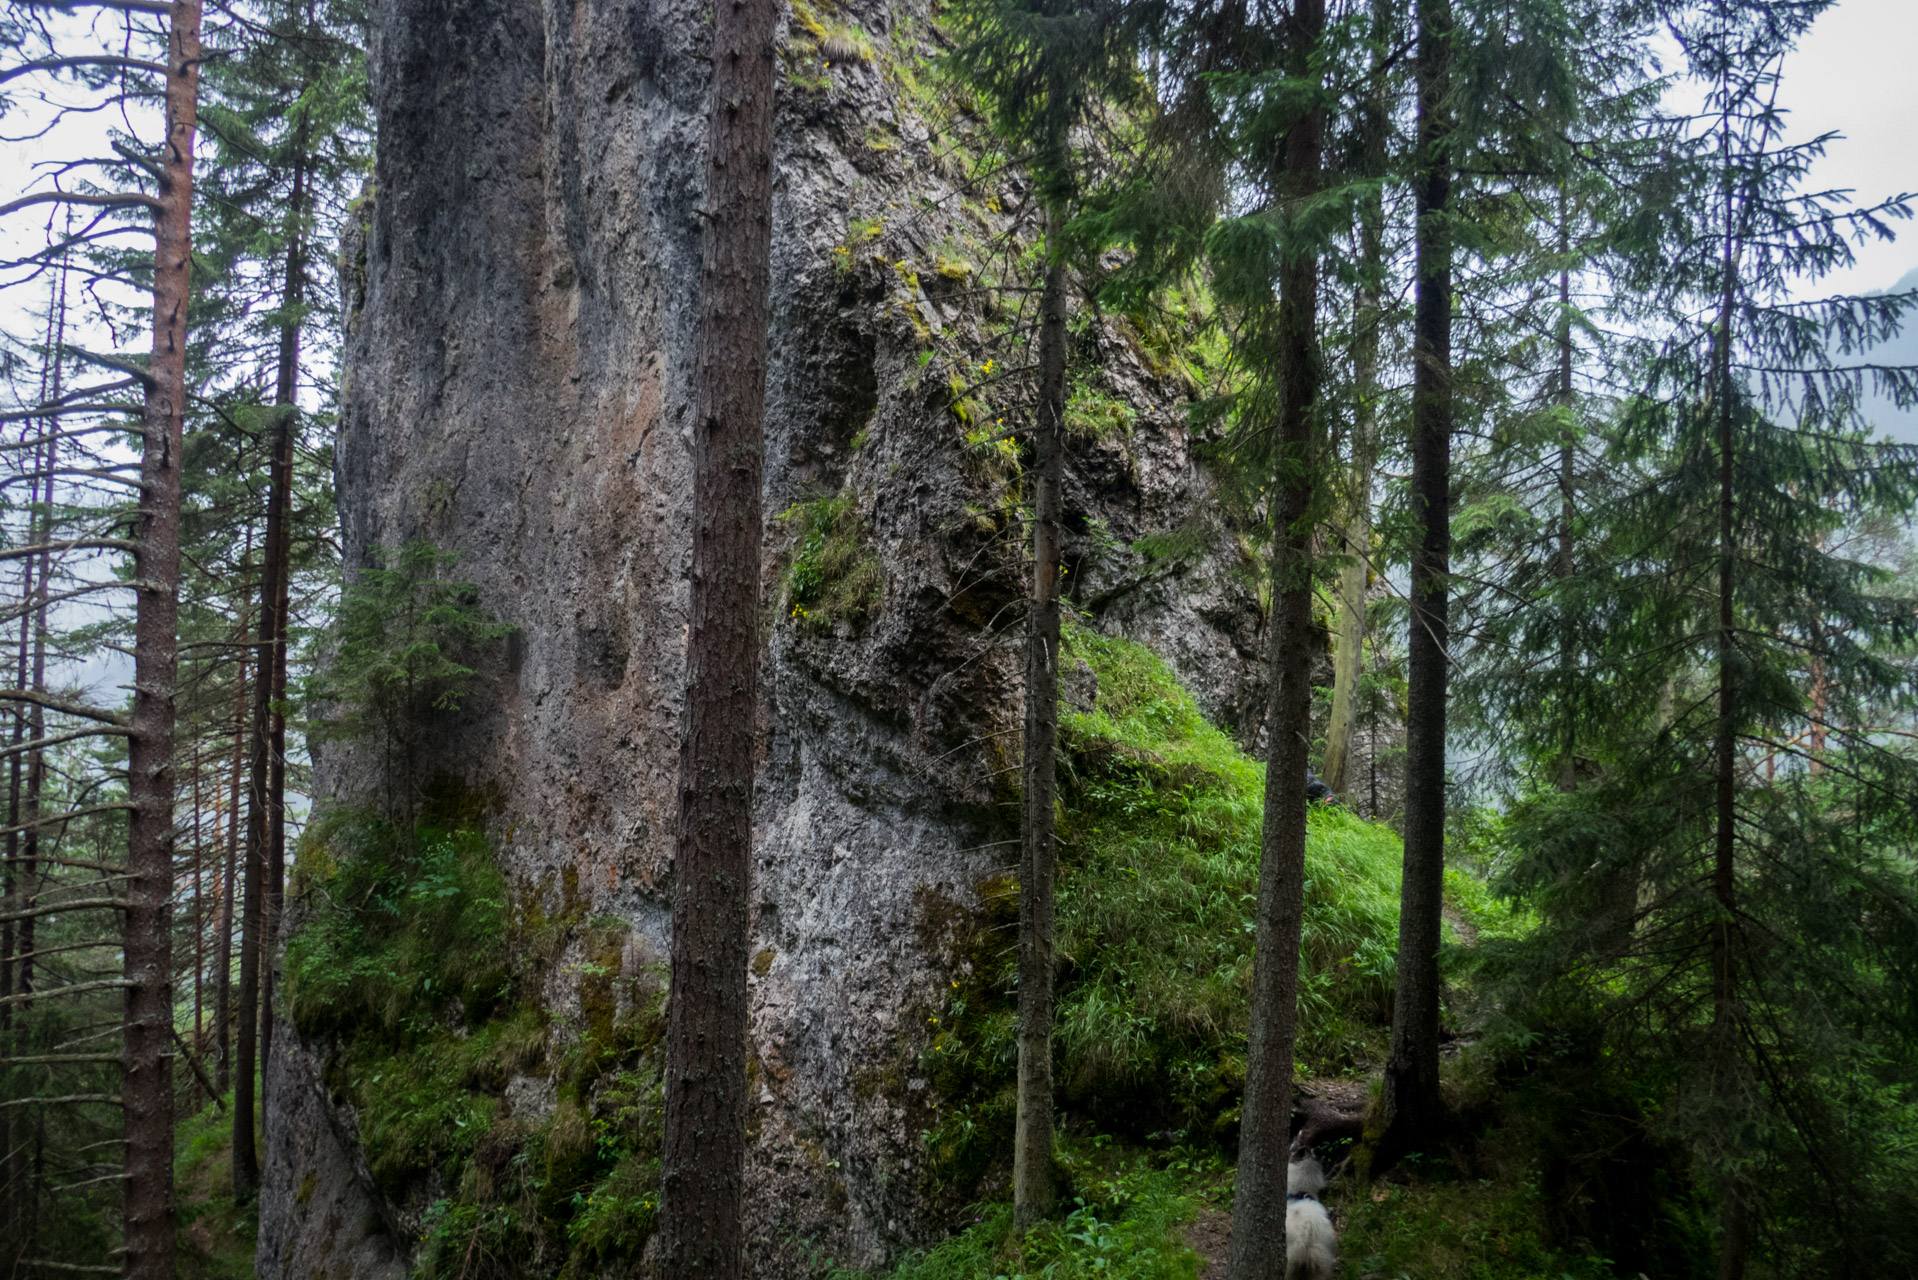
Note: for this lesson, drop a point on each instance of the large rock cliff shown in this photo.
(522, 293)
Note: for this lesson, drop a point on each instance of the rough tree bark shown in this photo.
(1032, 1190)
(703, 1169)
(1259, 1197)
(1411, 1099)
(147, 1083)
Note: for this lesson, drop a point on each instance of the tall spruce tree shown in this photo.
(1294, 174)
(1411, 1100)
(1721, 887)
(1041, 68)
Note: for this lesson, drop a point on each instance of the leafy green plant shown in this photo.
(1125, 1224)
(1095, 415)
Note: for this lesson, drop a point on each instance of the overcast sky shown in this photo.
(1857, 73)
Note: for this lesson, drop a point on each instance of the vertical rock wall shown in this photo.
(523, 291)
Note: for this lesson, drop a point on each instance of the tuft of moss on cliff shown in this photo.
(834, 576)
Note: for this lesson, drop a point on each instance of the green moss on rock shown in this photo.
(424, 975)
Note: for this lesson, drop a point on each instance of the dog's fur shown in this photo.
(1311, 1246)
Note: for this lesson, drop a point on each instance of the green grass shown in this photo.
(1441, 1229)
(1159, 847)
(1124, 1220)
(216, 1236)
(1161, 844)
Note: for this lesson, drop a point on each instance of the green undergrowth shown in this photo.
(1159, 865)
(1490, 1208)
(1124, 1217)
(215, 1234)
(423, 973)
(1450, 1228)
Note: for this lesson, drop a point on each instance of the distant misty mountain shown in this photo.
(1900, 424)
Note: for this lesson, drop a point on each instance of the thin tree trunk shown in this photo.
(265, 847)
(703, 1165)
(1568, 747)
(199, 914)
(1348, 654)
(246, 1167)
(1259, 1195)
(36, 717)
(147, 1083)
(1032, 1189)
(280, 519)
(1411, 1098)
(223, 953)
(1734, 1220)
(16, 975)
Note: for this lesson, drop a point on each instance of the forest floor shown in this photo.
(216, 1235)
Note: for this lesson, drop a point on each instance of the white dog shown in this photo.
(1311, 1246)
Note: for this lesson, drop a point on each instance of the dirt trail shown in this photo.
(1327, 1110)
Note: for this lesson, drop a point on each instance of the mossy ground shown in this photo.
(1159, 864)
(216, 1235)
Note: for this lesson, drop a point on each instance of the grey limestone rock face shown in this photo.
(319, 1216)
(523, 300)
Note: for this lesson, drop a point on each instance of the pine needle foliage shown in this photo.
(404, 634)
(1726, 876)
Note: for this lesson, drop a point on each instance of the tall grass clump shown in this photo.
(1125, 1225)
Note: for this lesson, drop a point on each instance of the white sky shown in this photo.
(1857, 73)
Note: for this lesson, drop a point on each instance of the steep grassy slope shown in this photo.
(1159, 847)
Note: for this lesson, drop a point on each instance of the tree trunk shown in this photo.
(147, 1083)
(1259, 1197)
(22, 871)
(1348, 655)
(1032, 1190)
(1734, 1225)
(1411, 1100)
(229, 875)
(199, 919)
(264, 841)
(36, 723)
(703, 1166)
(1567, 672)
(285, 402)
